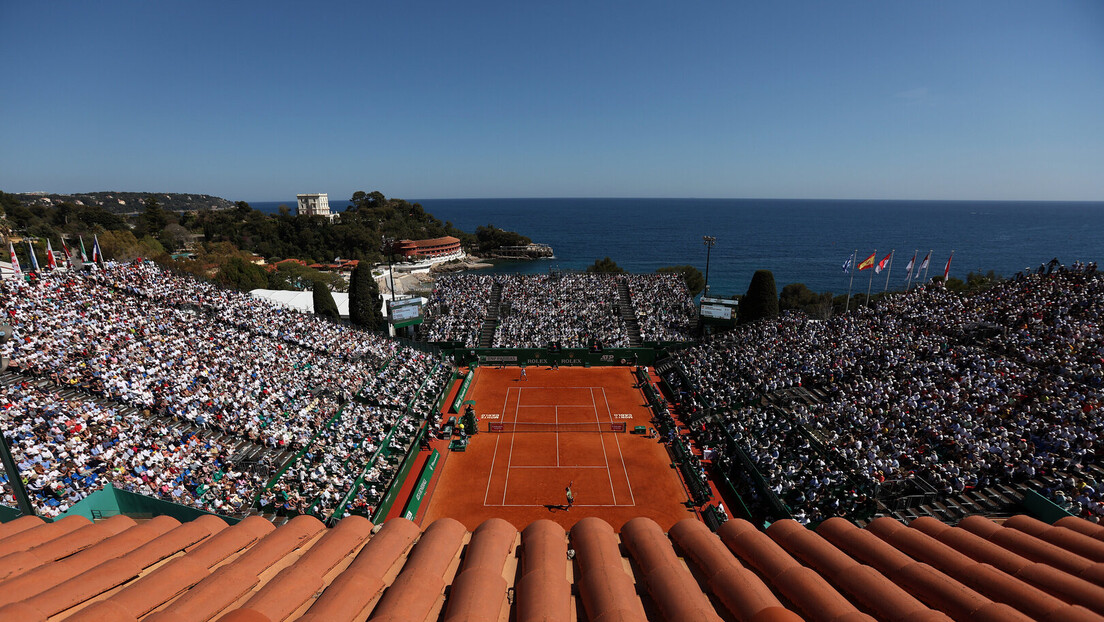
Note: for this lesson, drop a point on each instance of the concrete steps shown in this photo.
(490, 322)
(628, 314)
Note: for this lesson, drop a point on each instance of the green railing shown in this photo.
(462, 392)
(578, 357)
(699, 490)
(1042, 508)
(420, 488)
(384, 506)
(384, 450)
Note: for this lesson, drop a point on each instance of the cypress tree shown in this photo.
(761, 299)
(364, 298)
(324, 302)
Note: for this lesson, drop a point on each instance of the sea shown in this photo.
(800, 241)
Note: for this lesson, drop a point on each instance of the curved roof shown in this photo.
(448, 239)
(162, 570)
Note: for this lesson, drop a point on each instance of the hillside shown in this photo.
(131, 202)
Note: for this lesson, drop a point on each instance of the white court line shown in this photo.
(495, 455)
(604, 456)
(556, 466)
(511, 458)
(557, 436)
(542, 505)
(624, 469)
(552, 405)
(558, 388)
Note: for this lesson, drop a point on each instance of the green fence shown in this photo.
(578, 357)
(384, 451)
(462, 392)
(420, 488)
(404, 471)
(111, 501)
(1042, 508)
(9, 513)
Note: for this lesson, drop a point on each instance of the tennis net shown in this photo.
(510, 427)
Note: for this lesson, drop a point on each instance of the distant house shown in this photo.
(314, 205)
(272, 267)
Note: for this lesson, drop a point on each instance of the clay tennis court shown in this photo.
(552, 429)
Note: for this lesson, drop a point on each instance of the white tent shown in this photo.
(301, 301)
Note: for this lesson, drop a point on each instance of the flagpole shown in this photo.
(909, 281)
(871, 281)
(928, 266)
(854, 258)
(889, 270)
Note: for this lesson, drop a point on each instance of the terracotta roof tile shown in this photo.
(19, 525)
(607, 590)
(860, 583)
(741, 591)
(294, 585)
(929, 585)
(543, 591)
(364, 580)
(803, 587)
(419, 588)
(993, 583)
(479, 591)
(669, 583)
(161, 570)
(35, 536)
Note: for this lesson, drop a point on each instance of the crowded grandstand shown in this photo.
(171, 387)
(575, 310)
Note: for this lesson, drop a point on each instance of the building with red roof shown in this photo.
(436, 248)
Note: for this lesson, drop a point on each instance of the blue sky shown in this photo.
(420, 99)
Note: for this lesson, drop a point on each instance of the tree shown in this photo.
(693, 278)
(761, 299)
(796, 296)
(324, 302)
(364, 298)
(606, 266)
(491, 237)
(153, 220)
(121, 246)
(242, 275)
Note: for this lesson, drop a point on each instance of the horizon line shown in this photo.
(602, 198)
(658, 198)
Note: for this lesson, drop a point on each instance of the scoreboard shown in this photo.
(405, 312)
(719, 311)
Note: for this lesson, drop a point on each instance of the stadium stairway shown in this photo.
(490, 322)
(632, 327)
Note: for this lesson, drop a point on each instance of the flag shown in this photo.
(847, 264)
(84, 255)
(15, 261)
(868, 262)
(908, 268)
(51, 263)
(34, 260)
(68, 257)
(97, 257)
(924, 264)
(947, 270)
(883, 263)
